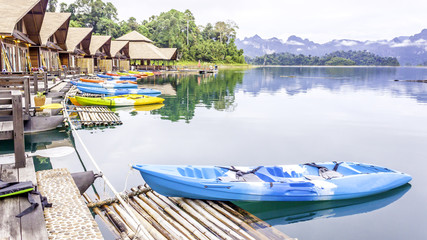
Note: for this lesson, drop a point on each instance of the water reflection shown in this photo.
(292, 212)
(184, 92)
(295, 80)
(215, 91)
(37, 140)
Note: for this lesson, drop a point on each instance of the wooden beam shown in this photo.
(18, 130)
(33, 225)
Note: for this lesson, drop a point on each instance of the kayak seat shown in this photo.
(278, 172)
(265, 178)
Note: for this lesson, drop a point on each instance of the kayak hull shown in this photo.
(117, 77)
(117, 92)
(277, 183)
(117, 101)
(106, 81)
(105, 85)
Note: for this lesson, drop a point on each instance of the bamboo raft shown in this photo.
(164, 218)
(91, 116)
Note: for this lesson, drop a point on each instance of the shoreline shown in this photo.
(327, 66)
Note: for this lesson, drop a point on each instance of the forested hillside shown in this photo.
(338, 58)
(173, 29)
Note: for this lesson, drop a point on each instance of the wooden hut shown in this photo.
(20, 25)
(119, 53)
(77, 46)
(53, 35)
(100, 50)
(171, 55)
(142, 52)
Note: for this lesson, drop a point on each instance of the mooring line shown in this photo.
(117, 194)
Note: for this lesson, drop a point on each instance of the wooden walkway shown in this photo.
(68, 218)
(31, 226)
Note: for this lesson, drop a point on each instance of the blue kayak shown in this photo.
(133, 78)
(305, 182)
(123, 91)
(104, 85)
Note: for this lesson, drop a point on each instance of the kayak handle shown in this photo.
(300, 192)
(213, 185)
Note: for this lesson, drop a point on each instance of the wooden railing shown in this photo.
(20, 83)
(12, 123)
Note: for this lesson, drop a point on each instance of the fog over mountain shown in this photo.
(409, 50)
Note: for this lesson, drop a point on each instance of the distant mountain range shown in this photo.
(409, 50)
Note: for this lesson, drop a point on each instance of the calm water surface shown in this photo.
(286, 115)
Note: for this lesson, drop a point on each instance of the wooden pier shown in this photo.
(31, 226)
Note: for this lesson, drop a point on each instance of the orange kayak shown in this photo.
(113, 74)
(103, 81)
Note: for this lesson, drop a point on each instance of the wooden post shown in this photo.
(18, 130)
(27, 95)
(35, 83)
(46, 87)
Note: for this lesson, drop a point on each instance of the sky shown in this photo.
(318, 20)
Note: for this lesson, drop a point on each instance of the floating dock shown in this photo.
(180, 218)
(96, 116)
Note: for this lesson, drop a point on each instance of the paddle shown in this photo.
(52, 152)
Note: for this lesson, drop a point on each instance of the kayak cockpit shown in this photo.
(309, 171)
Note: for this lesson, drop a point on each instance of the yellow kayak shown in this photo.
(141, 73)
(122, 100)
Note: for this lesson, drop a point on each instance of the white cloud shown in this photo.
(346, 43)
(408, 43)
(292, 42)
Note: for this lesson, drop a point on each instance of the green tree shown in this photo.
(51, 5)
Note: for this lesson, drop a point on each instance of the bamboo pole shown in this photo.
(150, 219)
(123, 228)
(105, 117)
(238, 221)
(223, 219)
(139, 230)
(178, 218)
(211, 218)
(114, 200)
(169, 220)
(154, 196)
(200, 218)
(147, 224)
(166, 225)
(255, 222)
(107, 223)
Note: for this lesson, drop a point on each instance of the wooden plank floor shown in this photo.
(30, 226)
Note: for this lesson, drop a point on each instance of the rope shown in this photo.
(106, 181)
(127, 177)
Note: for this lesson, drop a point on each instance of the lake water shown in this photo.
(280, 115)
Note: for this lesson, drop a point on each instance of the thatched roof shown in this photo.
(134, 36)
(117, 46)
(144, 50)
(98, 42)
(55, 24)
(32, 11)
(169, 53)
(77, 36)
